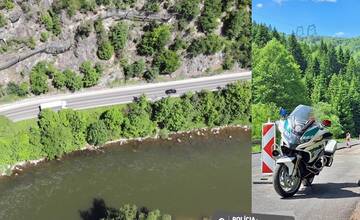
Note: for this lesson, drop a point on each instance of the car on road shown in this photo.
(170, 91)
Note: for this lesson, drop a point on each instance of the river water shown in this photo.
(188, 178)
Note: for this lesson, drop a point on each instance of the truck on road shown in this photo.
(56, 105)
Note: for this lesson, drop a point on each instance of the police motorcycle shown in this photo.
(306, 147)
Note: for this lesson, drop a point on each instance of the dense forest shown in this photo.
(57, 133)
(154, 39)
(288, 71)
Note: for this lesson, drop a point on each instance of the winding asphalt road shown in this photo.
(333, 195)
(29, 108)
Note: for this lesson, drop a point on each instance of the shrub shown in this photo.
(15, 89)
(83, 30)
(105, 50)
(90, 75)
(178, 44)
(135, 69)
(208, 45)
(51, 21)
(152, 6)
(97, 133)
(210, 15)
(187, 9)
(8, 4)
(103, 2)
(167, 62)
(30, 43)
(151, 74)
(118, 36)
(154, 40)
(123, 4)
(44, 36)
(3, 21)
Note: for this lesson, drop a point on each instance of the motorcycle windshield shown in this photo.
(300, 116)
(295, 122)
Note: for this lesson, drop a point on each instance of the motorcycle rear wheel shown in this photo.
(284, 184)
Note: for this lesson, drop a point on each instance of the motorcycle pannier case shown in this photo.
(330, 147)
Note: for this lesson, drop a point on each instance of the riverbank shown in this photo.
(187, 177)
(16, 169)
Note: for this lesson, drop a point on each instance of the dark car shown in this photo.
(170, 91)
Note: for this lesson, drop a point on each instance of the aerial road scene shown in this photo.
(124, 109)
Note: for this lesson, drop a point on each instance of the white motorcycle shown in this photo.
(306, 147)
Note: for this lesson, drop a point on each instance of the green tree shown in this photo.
(118, 36)
(138, 122)
(296, 51)
(319, 89)
(187, 9)
(170, 114)
(260, 114)
(113, 118)
(208, 45)
(97, 133)
(73, 81)
(167, 62)
(90, 75)
(59, 80)
(209, 19)
(56, 138)
(276, 77)
(154, 40)
(135, 69)
(324, 111)
(105, 50)
(38, 81)
(237, 23)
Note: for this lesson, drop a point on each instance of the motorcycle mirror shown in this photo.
(326, 123)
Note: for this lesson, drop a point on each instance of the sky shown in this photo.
(335, 18)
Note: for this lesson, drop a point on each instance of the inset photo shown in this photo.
(306, 109)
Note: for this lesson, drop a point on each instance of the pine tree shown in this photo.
(296, 50)
(318, 92)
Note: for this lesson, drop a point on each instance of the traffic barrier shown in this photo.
(267, 145)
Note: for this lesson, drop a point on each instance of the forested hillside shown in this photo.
(352, 44)
(68, 45)
(288, 72)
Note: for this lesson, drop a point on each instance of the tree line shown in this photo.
(58, 133)
(288, 71)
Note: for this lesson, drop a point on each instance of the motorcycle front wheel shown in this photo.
(284, 184)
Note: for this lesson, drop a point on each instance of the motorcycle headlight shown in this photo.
(297, 128)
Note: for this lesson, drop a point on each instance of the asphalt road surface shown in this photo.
(29, 108)
(333, 195)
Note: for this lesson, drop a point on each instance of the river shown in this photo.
(188, 177)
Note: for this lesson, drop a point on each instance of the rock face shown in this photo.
(18, 55)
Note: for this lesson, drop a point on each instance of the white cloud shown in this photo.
(279, 1)
(339, 34)
(259, 5)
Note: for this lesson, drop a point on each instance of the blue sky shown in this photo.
(339, 18)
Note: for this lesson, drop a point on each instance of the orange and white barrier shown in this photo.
(267, 145)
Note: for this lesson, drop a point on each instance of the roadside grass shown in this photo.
(256, 148)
